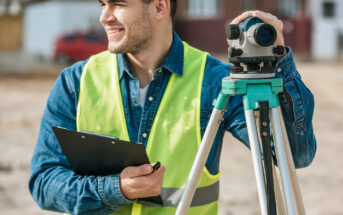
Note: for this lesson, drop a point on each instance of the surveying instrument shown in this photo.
(252, 75)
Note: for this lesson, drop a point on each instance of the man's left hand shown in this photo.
(267, 18)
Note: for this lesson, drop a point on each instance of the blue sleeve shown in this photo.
(52, 184)
(297, 117)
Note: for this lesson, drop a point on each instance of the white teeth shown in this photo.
(113, 31)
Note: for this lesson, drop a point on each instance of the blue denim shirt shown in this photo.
(55, 187)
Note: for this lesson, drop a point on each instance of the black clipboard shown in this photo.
(100, 155)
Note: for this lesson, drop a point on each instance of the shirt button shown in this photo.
(279, 70)
(134, 101)
(144, 135)
(151, 99)
(160, 70)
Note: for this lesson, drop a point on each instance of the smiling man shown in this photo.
(152, 88)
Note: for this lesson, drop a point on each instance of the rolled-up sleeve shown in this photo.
(298, 116)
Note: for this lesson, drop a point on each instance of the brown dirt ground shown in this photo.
(23, 101)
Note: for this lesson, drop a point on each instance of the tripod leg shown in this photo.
(282, 161)
(295, 184)
(281, 210)
(202, 155)
(267, 155)
(257, 160)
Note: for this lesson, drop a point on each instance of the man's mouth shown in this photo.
(114, 31)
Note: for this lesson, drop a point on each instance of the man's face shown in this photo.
(128, 25)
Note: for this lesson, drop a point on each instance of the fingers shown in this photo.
(159, 173)
(143, 185)
(267, 18)
(154, 181)
(157, 185)
(247, 14)
(241, 17)
(136, 171)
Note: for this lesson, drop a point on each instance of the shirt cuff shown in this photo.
(110, 193)
(285, 66)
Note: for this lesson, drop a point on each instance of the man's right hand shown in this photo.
(141, 181)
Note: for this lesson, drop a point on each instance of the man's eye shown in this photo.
(119, 4)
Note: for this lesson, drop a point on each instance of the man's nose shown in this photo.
(107, 16)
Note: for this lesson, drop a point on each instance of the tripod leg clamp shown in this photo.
(221, 102)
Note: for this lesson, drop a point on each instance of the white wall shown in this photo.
(44, 22)
(326, 30)
(203, 8)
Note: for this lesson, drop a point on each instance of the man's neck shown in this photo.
(144, 63)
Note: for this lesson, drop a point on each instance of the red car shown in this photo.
(79, 46)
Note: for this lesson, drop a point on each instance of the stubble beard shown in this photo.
(137, 38)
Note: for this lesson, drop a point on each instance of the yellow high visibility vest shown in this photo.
(175, 134)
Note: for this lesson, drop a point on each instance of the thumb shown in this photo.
(136, 171)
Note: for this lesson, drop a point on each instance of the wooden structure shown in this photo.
(11, 34)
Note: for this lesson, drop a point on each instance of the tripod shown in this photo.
(261, 105)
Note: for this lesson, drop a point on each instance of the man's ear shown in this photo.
(162, 9)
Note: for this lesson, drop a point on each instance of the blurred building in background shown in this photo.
(313, 28)
(327, 31)
(202, 22)
(34, 26)
(46, 21)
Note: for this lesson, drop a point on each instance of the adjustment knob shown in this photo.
(279, 50)
(232, 32)
(233, 52)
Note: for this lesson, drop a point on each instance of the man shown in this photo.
(152, 88)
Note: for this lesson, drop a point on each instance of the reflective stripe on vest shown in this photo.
(172, 196)
(175, 134)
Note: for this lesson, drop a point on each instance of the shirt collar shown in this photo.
(123, 66)
(175, 58)
(173, 62)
